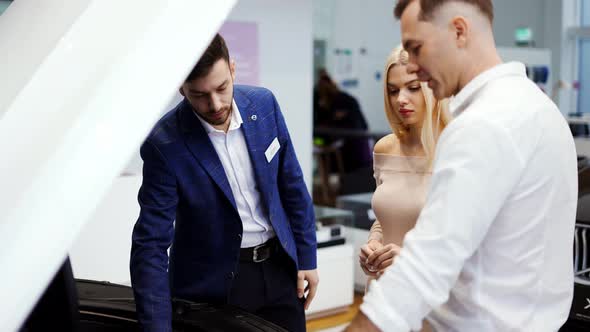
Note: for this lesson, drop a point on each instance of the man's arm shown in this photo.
(295, 197)
(299, 209)
(152, 236)
(476, 168)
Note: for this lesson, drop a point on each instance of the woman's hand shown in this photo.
(367, 250)
(383, 257)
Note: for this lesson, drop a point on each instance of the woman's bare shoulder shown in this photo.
(387, 145)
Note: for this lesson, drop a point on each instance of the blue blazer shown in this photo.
(187, 203)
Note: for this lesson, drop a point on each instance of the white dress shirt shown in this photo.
(233, 152)
(492, 248)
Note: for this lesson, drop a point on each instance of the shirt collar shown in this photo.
(461, 100)
(235, 121)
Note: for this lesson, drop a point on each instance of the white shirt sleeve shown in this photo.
(477, 165)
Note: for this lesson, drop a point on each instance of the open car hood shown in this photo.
(82, 83)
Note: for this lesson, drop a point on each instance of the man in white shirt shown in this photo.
(492, 248)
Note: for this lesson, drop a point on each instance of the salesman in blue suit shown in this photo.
(222, 188)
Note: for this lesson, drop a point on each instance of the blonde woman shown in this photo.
(402, 161)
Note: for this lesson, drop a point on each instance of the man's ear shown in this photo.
(181, 91)
(232, 69)
(461, 29)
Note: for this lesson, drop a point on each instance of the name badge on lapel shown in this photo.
(273, 148)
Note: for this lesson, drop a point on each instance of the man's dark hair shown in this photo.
(428, 7)
(216, 50)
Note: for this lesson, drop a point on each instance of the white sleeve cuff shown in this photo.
(378, 311)
(394, 304)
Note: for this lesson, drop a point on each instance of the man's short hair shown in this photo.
(428, 7)
(216, 50)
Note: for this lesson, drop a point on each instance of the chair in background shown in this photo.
(326, 158)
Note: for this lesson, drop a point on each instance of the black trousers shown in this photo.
(269, 290)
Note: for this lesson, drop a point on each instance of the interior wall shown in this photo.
(552, 36)
(367, 29)
(369, 25)
(510, 14)
(285, 39)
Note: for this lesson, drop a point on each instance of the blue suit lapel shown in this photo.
(200, 145)
(252, 128)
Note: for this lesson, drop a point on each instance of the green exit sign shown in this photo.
(523, 36)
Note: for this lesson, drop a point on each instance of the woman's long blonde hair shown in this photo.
(436, 115)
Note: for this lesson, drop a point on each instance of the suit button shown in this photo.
(240, 236)
(231, 275)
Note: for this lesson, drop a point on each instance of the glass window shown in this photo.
(584, 61)
(585, 12)
(584, 77)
